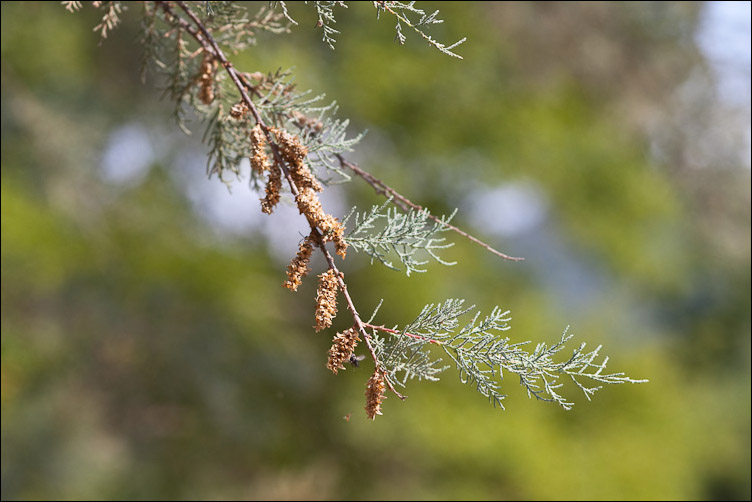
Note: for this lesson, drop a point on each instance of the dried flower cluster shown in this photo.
(259, 158)
(260, 163)
(326, 299)
(206, 79)
(375, 388)
(343, 346)
(293, 152)
(298, 267)
(239, 110)
(331, 228)
(273, 187)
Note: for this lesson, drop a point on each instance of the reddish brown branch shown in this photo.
(203, 37)
(405, 333)
(403, 202)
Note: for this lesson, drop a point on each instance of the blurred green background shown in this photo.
(148, 350)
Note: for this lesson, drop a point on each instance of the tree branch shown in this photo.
(403, 202)
(203, 37)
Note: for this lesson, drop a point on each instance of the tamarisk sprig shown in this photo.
(403, 233)
(401, 11)
(405, 204)
(261, 125)
(481, 355)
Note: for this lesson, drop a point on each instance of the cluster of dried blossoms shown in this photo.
(324, 226)
(298, 267)
(206, 79)
(375, 389)
(326, 299)
(294, 154)
(343, 346)
(260, 164)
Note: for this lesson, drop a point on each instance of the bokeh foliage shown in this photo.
(145, 354)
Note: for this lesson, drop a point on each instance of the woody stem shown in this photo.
(207, 41)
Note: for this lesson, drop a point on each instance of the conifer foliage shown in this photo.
(296, 144)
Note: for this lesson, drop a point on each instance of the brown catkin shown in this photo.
(340, 245)
(342, 348)
(259, 158)
(309, 205)
(303, 178)
(239, 110)
(290, 147)
(294, 154)
(273, 187)
(206, 80)
(326, 299)
(333, 231)
(331, 228)
(375, 389)
(298, 267)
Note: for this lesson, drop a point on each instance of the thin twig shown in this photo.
(405, 333)
(403, 202)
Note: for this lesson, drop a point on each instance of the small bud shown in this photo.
(239, 110)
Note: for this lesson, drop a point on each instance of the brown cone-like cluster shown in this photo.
(273, 187)
(298, 268)
(239, 110)
(331, 228)
(259, 158)
(290, 147)
(375, 389)
(342, 348)
(206, 79)
(294, 154)
(326, 299)
(339, 242)
(260, 164)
